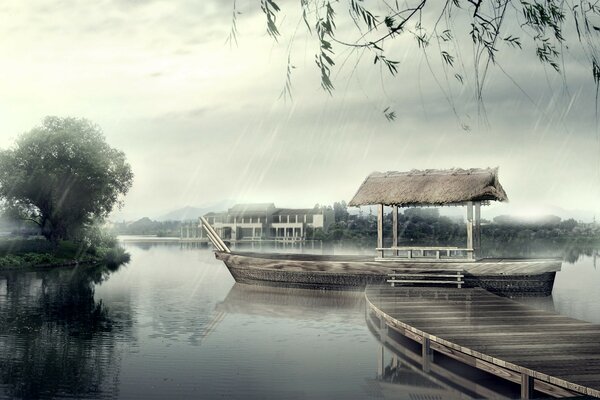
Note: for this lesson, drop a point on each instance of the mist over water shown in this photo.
(173, 324)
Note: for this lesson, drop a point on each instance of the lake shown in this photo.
(173, 324)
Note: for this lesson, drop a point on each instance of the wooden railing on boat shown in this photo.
(425, 253)
(214, 237)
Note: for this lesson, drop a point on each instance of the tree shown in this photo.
(340, 210)
(63, 176)
(491, 26)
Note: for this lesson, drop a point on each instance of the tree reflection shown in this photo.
(55, 339)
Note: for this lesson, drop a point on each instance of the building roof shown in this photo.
(215, 214)
(251, 210)
(430, 187)
(298, 211)
(251, 207)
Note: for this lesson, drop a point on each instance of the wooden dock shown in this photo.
(544, 352)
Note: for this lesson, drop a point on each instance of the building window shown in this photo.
(276, 218)
(309, 218)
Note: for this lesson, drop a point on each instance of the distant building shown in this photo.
(264, 221)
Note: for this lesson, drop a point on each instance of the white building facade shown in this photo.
(264, 221)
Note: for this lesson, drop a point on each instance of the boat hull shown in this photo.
(503, 276)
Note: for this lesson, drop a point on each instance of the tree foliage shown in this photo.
(63, 176)
(492, 25)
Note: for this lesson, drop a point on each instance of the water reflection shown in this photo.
(404, 371)
(575, 293)
(55, 339)
(173, 324)
(570, 252)
(294, 303)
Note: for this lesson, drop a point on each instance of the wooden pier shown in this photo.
(543, 352)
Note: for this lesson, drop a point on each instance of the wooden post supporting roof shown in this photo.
(395, 228)
(477, 232)
(470, 228)
(380, 228)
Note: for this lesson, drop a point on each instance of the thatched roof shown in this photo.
(430, 187)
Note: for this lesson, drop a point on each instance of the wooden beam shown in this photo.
(470, 227)
(380, 228)
(395, 228)
(220, 244)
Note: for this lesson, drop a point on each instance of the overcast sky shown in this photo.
(201, 121)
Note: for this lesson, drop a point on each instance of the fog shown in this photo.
(202, 121)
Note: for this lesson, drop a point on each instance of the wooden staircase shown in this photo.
(426, 276)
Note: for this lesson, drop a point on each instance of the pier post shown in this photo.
(426, 354)
(395, 361)
(526, 386)
(383, 329)
(380, 361)
(380, 228)
(381, 352)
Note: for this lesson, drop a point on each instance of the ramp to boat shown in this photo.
(541, 351)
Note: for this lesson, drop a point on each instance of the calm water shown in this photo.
(172, 324)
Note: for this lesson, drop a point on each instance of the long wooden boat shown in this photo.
(404, 265)
(504, 276)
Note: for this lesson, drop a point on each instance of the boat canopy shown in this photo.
(430, 187)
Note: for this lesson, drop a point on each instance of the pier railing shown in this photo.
(425, 253)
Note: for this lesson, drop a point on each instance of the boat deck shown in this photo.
(368, 264)
(545, 351)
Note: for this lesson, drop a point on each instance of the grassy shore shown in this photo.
(16, 253)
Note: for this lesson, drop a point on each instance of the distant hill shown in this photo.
(141, 224)
(189, 212)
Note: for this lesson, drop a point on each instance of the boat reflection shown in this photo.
(293, 303)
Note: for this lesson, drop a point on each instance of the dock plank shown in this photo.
(557, 351)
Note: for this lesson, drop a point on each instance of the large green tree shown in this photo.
(63, 176)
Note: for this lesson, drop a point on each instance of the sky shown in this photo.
(202, 121)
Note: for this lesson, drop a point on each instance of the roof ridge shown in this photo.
(433, 171)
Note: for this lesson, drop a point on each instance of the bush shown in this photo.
(114, 256)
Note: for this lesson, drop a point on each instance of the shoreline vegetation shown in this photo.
(416, 226)
(34, 253)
